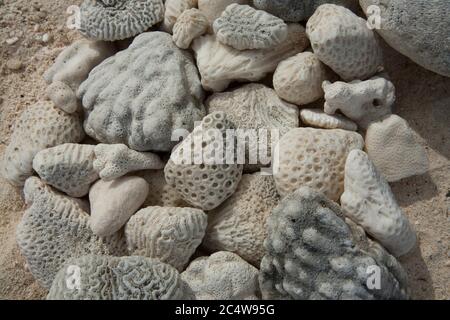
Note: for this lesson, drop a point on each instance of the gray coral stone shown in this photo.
(313, 253)
(110, 278)
(142, 94)
(112, 20)
(419, 29)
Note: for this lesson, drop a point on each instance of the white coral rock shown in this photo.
(243, 27)
(114, 202)
(320, 119)
(239, 224)
(314, 158)
(113, 161)
(214, 8)
(393, 148)
(54, 229)
(198, 168)
(67, 167)
(361, 101)
(71, 68)
(369, 201)
(298, 79)
(342, 40)
(39, 127)
(222, 276)
(174, 9)
(190, 24)
(219, 64)
(170, 235)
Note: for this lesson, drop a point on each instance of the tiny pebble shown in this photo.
(11, 41)
(447, 264)
(14, 64)
(46, 38)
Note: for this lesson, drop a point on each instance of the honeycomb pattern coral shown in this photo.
(112, 20)
(142, 94)
(39, 127)
(112, 278)
(243, 27)
(54, 229)
(311, 253)
(207, 184)
(67, 167)
(342, 41)
(170, 235)
(314, 158)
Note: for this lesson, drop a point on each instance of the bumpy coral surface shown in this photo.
(170, 235)
(314, 158)
(320, 119)
(142, 94)
(244, 27)
(214, 8)
(174, 9)
(67, 167)
(220, 64)
(118, 19)
(239, 224)
(71, 68)
(361, 101)
(393, 148)
(311, 253)
(95, 277)
(39, 127)
(54, 229)
(199, 168)
(190, 24)
(369, 201)
(114, 202)
(299, 79)
(222, 276)
(342, 40)
(116, 160)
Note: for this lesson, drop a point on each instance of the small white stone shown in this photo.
(12, 41)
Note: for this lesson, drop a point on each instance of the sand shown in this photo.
(423, 99)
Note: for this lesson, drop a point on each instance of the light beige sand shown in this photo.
(423, 98)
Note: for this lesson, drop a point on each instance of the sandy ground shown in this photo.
(423, 98)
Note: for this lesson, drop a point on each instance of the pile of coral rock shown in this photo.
(113, 214)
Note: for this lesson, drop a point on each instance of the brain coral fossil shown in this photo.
(313, 252)
(113, 278)
(54, 229)
(369, 201)
(142, 94)
(170, 235)
(118, 19)
(39, 127)
(244, 27)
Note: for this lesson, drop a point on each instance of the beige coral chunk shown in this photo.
(318, 118)
(369, 201)
(190, 24)
(222, 276)
(71, 68)
(174, 9)
(199, 168)
(243, 27)
(214, 8)
(239, 224)
(67, 167)
(256, 107)
(170, 235)
(54, 229)
(393, 148)
(219, 64)
(114, 202)
(116, 160)
(361, 101)
(342, 40)
(314, 158)
(39, 127)
(298, 79)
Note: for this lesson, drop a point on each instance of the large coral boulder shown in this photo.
(142, 94)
